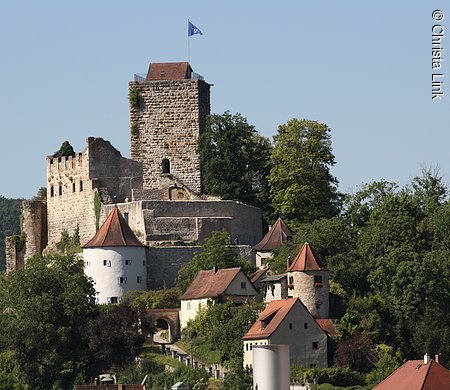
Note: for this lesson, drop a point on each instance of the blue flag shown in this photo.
(192, 30)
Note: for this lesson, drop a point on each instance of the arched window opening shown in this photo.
(81, 185)
(165, 165)
(52, 191)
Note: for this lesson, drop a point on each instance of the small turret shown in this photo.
(308, 280)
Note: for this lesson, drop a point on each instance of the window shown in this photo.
(315, 345)
(291, 280)
(52, 191)
(139, 279)
(125, 217)
(73, 187)
(143, 263)
(128, 262)
(188, 305)
(81, 185)
(165, 166)
(60, 190)
(305, 325)
(318, 281)
(317, 306)
(246, 347)
(251, 348)
(290, 325)
(243, 285)
(113, 300)
(123, 280)
(107, 263)
(87, 263)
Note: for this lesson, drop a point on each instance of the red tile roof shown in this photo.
(211, 283)
(327, 326)
(114, 232)
(306, 260)
(258, 274)
(275, 237)
(415, 375)
(169, 71)
(271, 318)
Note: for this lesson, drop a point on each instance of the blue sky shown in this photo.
(364, 69)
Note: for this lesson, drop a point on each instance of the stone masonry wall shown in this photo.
(14, 258)
(34, 226)
(70, 197)
(167, 125)
(73, 181)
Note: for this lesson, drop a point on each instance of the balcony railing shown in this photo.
(142, 77)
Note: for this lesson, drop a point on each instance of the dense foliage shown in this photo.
(302, 189)
(9, 223)
(44, 310)
(216, 252)
(235, 160)
(389, 255)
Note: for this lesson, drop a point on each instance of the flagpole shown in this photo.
(189, 46)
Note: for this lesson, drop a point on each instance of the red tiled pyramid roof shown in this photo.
(306, 260)
(114, 232)
(169, 71)
(210, 283)
(275, 237)
(327, 326)
(415, 375)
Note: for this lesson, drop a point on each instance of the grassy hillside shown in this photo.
(9, 223)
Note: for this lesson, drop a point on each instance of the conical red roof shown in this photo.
(114, 232)
(275, 237)
(306, 260)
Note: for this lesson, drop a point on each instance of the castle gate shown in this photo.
(165, 319)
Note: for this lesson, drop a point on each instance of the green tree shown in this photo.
(302, 187)
(235, 160)
(216, 252)
(115, 335)
(45, 309)
(65, 150)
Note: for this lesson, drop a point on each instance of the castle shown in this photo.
(158, 190)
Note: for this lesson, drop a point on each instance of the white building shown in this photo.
(115, 259)
(230, 283)
(288, 321)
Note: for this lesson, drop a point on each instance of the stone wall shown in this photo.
(73, 181)
(167, 125)
(70, 197)
(15, 259)
(163, 264)
(34, 226)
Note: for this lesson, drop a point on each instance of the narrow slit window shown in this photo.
(165, 166)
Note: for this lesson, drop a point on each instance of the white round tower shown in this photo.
(308, 280)
(115, 259)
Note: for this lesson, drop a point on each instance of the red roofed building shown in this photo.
(288, 321)
(115, 259)
(424, 374)
(308, 280)
(209, 285)
(275, 237)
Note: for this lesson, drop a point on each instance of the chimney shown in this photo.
(437, 358)
(288, 262)
(426, 358)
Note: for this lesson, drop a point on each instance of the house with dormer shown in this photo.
(288, 321)
(229, 283)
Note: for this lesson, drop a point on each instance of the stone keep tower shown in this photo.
(168, 111)
(308, 280)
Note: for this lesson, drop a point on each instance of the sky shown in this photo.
(364, 69)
